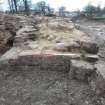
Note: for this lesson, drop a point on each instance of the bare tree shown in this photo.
(15, 5)
(26, 6)
(41, 6)
(62, 11)
(12, 5)
(9, 3)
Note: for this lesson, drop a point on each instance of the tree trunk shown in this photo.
(26, 7)
(15, 4)
(9, 3)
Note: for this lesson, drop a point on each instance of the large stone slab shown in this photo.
(81, 70)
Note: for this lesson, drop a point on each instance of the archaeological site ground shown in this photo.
(51, 61)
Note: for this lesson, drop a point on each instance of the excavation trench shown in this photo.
(47, 80)
(31, 75)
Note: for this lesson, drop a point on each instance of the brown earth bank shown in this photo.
(49, 62)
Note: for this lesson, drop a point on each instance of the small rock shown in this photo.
(61, 47)
(58, 40)
(91, 58)
(77, 26)
(73, 46)
(51, 37)
(90, 47)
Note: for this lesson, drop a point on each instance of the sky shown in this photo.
(70, 5)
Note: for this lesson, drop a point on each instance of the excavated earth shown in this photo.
(49, 62)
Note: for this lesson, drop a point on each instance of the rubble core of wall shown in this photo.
(44, 33)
